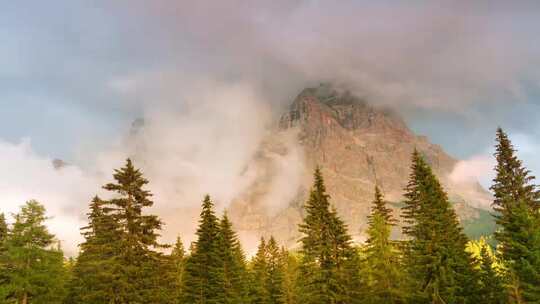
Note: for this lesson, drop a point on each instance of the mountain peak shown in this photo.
(358, 145)
(325, 105)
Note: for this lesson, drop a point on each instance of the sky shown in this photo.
(209, 78)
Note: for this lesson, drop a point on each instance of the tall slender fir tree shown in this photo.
(517, 215)
(441, 268)
(235, 277)
(385, 278)
(32, 267)
(328, 264)
(203, 277)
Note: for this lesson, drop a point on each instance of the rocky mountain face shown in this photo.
(357, 146)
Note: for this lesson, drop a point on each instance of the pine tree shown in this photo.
(138, 262)
(276, 273)
(259, 293)
(95, 273)
(378, 206)
(33, 269)
(235, 277)
(203, 277)
(491, 288)
(441, 268)
(382, 259)
(517, 215)
(178, 260)
(290, 278)
(171, 270)
(329, 262)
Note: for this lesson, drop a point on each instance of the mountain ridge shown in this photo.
(357, 146)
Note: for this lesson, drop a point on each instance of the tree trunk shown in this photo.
(25, 298)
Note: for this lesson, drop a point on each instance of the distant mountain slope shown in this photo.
(357, 146)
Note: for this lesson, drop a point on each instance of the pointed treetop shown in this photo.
(513, 182)
(379, 207)
(207, 211)
(178, 250)
(318, 180)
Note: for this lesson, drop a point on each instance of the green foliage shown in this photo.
(491, 288)
(3, 228)
(32, 270)
(517, 214)
(329, 264)
(273, 275)
(204, 277)
(438, 264)
(382, 262)
(122, 262)
(259, 293)
(95, 275)
(118, 261)
(235, 276)
(289, 262)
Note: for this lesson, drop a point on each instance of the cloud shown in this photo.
(209, 78)
(477, 168)
(443, 55)
(480, 167)
(64, 192)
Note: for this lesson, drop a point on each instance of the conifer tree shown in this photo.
(259, 293)
(95, 272)
(203, 277)
(290, 277)
(329, 262)
(138, 263)
(379, 206)
(441, 268)
(517, 215)
(276, 273)
(171, 270)
(235, 277)
(491, 288)
(33, 269)
(382, 260)
(178, 260)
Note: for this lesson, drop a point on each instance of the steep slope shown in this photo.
(357, 146)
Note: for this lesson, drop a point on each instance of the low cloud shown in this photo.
(65, 192)
(477, 168)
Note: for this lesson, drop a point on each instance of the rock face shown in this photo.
(357, 146)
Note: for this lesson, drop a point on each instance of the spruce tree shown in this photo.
(96, 271)
(379, 207)
(138, 262)
(440, 267)
(235, 278)
(385, 278)
(33, 269)
(259, 293)
(178, 259)
(203, 277)
(290, 278)
(276, 273)
(269, 285)
(328, 265)
(491, 288)
(171, 270)
(517, 214)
